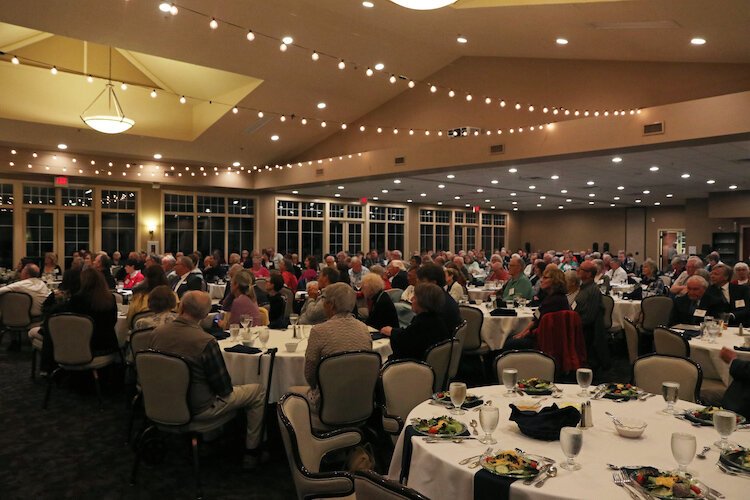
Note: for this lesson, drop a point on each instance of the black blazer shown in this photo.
(738, 294)
(425, 330)
(682, 313)
(193, 282)
(383, 312)
(400, 280)
(737, 397)
(104, 339)
(551, 303)
(450, 313)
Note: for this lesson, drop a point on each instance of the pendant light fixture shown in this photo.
(113, 120)
(423, 4)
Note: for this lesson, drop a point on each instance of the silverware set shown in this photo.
(446, 439)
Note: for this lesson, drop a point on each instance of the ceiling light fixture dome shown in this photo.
(423, 4)
(108, 122)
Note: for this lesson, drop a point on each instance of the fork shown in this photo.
(619, 481)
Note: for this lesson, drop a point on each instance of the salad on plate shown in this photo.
(705, 416)
(438, 426)
(620, 391)
(737, 459)
(667, 485)
(535, 385)
(445, 398)
(511, 464)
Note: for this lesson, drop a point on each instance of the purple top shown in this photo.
(243, 305)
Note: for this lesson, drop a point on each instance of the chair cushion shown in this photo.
(96, 363)
(712, 391)
(202, 425)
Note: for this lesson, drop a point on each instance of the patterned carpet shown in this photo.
(74, 450)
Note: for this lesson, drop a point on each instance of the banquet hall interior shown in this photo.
(284, 130)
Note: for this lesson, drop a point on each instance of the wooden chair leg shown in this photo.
(196, 467)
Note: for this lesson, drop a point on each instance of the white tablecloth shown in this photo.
(122, 328)
(625, 309)
(216, 291)
(289, 368)
(435, 472)
(706, 354)
(496, 329)
(481, 293)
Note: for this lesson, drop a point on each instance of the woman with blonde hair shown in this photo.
(50, 264)
(244, 301)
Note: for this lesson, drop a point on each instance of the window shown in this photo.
(118, 232)
(493, 232)
(178, 203)
(118, 200)
(313, 210)
(77, 235)
(211, 205)
(335, 236)
(465, 235)
(312, 238)
(287, 235)
(377, 213)
(288, 209)
(377, 236)
(426, 237)
(241, 206)
(437, 223)
(210, 234)
(77, 197)
(40, 233)
(241, 234)
(178, 233)
(336, 211)
(355, 237)
(6, 225)
(38, 195)
(387, 236)
(354, 211)
(395, 236)
(442, 237)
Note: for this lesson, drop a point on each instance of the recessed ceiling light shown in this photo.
(685, 176)
(590, 183)
(669, 195)
(698, 41)
(422, 194)
(512, 194)
(384, 191)
(487, 200)
(616, 159)
(480, 190)
(620, 188)
(441, 186)
(591, 203)
(532, 187)
(564, 191)
(295, 192)
(440, 203)
(591, 195)
(555, 177)
(494, 181)
(515, 209)
(379, 67)
(375, 198)
(733, 186)
(646, 191)
(236, 164)
(397, 181)
(287, 40)
(409, 200)
(492, 207)
(538, 204)
(514, 203)
(321, 105)
(560, 207)
(637, 201)
(710, 181)
(468, 205)
(339, 187)
(62, 146)
(157, 156)
(512, 170)
(368, 5)
(456, 197)
(337, 195)
(657, 203)
(274, 137)
(654, 168)
(568, 200)
(451, 176)
(462, 39)
(542, 197)
(616, 198)
(561, 41)
(611, 204)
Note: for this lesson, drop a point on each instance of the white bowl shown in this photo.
(291, 346)
(631, 427)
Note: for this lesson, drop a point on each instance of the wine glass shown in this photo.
(234, 331)
(571, 442)
(458, 395)
(246, 320)
(293, 319)
(670, 391)
(489, 416)
(263, 336)
(584, 376)
(510, 378)
(683, 449)
(725, 423)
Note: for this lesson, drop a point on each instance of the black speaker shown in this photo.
(527, 247)
(705, 249)
(606, 246)
(595, 247)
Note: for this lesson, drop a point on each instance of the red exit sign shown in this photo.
(61, 180)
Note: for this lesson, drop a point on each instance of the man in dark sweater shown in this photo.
(431, 273)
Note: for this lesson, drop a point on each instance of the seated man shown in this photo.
(737, 397)
(313, 311)
(518, 284)
(731, 299)
(30, 284)
(211, 390)
(617, 275)
(186, 279)
(695, 305)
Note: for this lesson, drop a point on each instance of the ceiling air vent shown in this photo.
(653, 128)
(318, 171)
(399, 160)
(497, 149)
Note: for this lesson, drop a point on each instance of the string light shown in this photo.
(53, 70)
(315, 56)
(250, 35)
(183, 100)
(213, 24)
(342, 64)
(15, 60)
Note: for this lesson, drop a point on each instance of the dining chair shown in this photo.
(305, 449)
(139, 341)
(529, 363)
(143, 314)
(346, 382)
(651, 370)
(395, 294)
(442, 358)
(37, 344)
(672, 343)
(288, 301)
(470, 335)
(15, 311)
(165, 381)
(560, 335)
(400, 398)
(369, 485)
(631, 339)
(71, 346)
(118, 298)
(608, 304)
(655, 311)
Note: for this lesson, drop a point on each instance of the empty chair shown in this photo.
(165, 382)
(305, 450)
(469, 333)
(671, 343)
(608, 304)
(655, 311)
(444, 357)
(650, 371)
(288, 301)
(346, 382)
(395, 294)
(529, 364)
(71, 346)
(369, 485)
(15, 310)
(401, 398)
(631, 339)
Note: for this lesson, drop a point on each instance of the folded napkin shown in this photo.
(243, 349)
(473, 404)
(741, 348)
(410, 432)
(501, 311)
(546, 423)
(489, 486)
(691, 334)
(378, 336)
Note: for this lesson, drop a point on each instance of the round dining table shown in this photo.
(435, 472)
(496, 329)
(216, 290)
(705, 352)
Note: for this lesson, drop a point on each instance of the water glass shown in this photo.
(571, 442)
(510, 378)
(713, 329)
(293, 319)
(725, 423)
(670, 391)
(584, 376)
(509, 304)
(234, 331)
(683, 449)
(458, 396)
(263, 336)
(489, 416)
(246, 320)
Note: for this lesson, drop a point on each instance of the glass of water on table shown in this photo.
(458, 396)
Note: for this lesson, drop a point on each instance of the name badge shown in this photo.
(738, 304)
(512, 291)
(701, 313)
(573, 305)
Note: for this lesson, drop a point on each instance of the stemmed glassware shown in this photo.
(234, 331)
(571, 442)
(725, 423)
(246, 320)
(489, 416)
(584, 376)
(510, 378)
(670, 391)
(458, 396)
(683, 449)
(263, 336)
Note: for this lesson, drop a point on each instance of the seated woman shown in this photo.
(153, 278)
(57, 301)
(411, 278)
(453, 285)
(741, 274)
(50, 264)
(555, 299)
(341, 332)
(572, 286)
(276, 304)
(649, 277)
(162, 301)
(382, 312)
(244, 301)
(426, 329)
(132, 275)
(380, 271)
(310, 272)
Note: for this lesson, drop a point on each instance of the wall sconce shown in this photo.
(151, 226)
